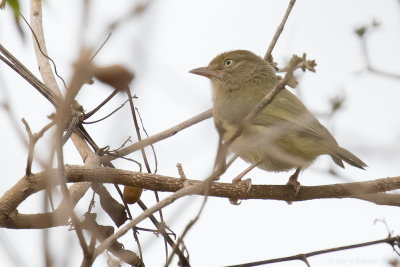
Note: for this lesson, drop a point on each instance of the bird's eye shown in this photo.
(228, 62)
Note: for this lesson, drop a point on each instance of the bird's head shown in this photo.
(237, 69)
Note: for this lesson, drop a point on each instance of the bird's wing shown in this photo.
(287, 111)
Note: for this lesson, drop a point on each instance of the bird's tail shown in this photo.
(345, 155)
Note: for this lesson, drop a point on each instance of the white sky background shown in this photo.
(161, 46)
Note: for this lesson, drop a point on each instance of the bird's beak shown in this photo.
(206, 72)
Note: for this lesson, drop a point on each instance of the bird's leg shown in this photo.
(247, 182)
(294, 183)
(238, 179)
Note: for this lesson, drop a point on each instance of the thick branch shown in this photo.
(58, 217)
(369, 190)
(228, 190)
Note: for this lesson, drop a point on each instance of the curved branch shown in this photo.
(40, 47)
(45, 68)
(14, 197)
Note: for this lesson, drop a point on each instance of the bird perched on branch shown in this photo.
(284, 135)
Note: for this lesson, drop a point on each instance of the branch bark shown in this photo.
(9, 217)
(46, 71)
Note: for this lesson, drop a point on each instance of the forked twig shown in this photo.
(33, 138)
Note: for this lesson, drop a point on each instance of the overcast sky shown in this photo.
(161, 46)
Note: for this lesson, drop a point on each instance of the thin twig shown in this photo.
(268, 55)
(134, 161)
(65, 192)
(146, 163)
(145, 214)
(152, 147)
(136, 124)
(49, 88)
(19, 68)
(133, 111)
(393, 241)
(101, 46)
(89, 114)
(48, 78)
(362, 33)
(161, 229)
(275, 91)
(158, 137)
(43, 53)
(33, 138)
(185, 231)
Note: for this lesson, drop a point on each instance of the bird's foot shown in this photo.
(246, 183)
(294, 184)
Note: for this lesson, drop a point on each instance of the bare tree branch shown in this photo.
(362, 33)
(27, 186)
(268, 55)
(41, 52)
(393, 241)
(158, 137)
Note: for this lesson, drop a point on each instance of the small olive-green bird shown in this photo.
(284, 135)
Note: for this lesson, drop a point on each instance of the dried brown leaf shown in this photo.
(115, 75)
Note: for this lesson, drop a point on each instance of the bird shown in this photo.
(284, 135)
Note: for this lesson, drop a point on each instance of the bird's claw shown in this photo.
(246, 183)
(295, 185)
